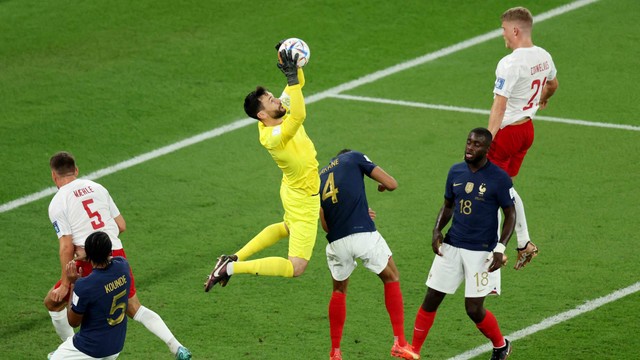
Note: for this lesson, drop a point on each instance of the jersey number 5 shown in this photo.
(118, 305)
(97, 223)
(330, 190)
(537, 86)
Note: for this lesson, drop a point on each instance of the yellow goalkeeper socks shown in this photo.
(267, 237)
(271, 266)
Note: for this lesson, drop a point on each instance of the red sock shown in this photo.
(395, 308)
(337, 316)
(424, 321)
(489, 327)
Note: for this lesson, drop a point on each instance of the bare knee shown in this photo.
(299, 265)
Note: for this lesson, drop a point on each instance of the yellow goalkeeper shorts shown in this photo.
(301, 212)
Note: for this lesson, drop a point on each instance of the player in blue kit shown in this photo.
(471, 251)
(98, 304)
(347, 219)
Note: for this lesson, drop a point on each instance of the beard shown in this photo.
(277, 114)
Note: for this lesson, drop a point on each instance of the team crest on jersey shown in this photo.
(56, 227)
(468, 188)
(499, 83)
(481, 189)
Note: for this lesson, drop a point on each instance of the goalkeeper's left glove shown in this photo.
(525, 255)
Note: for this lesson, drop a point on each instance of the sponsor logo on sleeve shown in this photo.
(56, 227)
(499, 83)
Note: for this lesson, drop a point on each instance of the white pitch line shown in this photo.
(554, 320)
(481, 111)
(309, 100)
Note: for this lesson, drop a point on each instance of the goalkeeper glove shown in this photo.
(288, 66)
(525, 255)
(279, 44)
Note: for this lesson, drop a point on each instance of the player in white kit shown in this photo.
(79, 208)
(525, 80)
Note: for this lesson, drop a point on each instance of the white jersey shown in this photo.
(82, 207)
(520, 77)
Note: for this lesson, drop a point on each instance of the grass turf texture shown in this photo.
(115, 80)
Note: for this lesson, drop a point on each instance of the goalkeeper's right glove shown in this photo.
(525, 255)
(289, 66)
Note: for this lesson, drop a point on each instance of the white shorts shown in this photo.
(66, 351)
(457, 264)
(369, 247)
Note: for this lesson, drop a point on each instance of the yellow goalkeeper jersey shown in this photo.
(289, 144)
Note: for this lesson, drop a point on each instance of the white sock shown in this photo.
(61, 324)
(522, 231)
(154, 323)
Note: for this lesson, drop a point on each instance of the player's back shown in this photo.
(521, 77)
(102, 299)
(344, 200)
(82, 207)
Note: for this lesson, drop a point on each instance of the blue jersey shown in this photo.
(102, 299)
(477, 198)
(344, 200)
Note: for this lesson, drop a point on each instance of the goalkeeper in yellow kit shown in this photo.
(282, 134)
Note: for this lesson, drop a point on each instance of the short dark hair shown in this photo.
(98, 247)
(343, 151)
(483, 132)
(252, 104)
(63, 163)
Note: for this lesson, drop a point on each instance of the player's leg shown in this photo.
(150, 319)
(67, 351)
(58, 313)
(267, 237)
(337, 316)
(478, 284)
(154, 323)
(445, 275)
(341, 263)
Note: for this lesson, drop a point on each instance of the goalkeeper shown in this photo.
(282, 133)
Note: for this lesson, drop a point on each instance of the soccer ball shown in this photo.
(297, 46)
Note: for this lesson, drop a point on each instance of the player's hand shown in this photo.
(289, 67)
(498, 260)
(72, 271)
(525, 255)
(381, 188)
(542, 104)
(372, 214)
(436, 242)
(57, 295)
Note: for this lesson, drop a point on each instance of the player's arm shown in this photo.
(498, 109)
(499, 259)
(385, 181)
(444, 216)
(66, 252)
(323, 221)
(122, 225)
(72, 274)
(548, 90)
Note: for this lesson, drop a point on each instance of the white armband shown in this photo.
(499, 248)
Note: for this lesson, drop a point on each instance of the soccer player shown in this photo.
(471, 251)
(98, 303)
(347, 219)
(282, 133)
(79, 208)
(525, 80)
